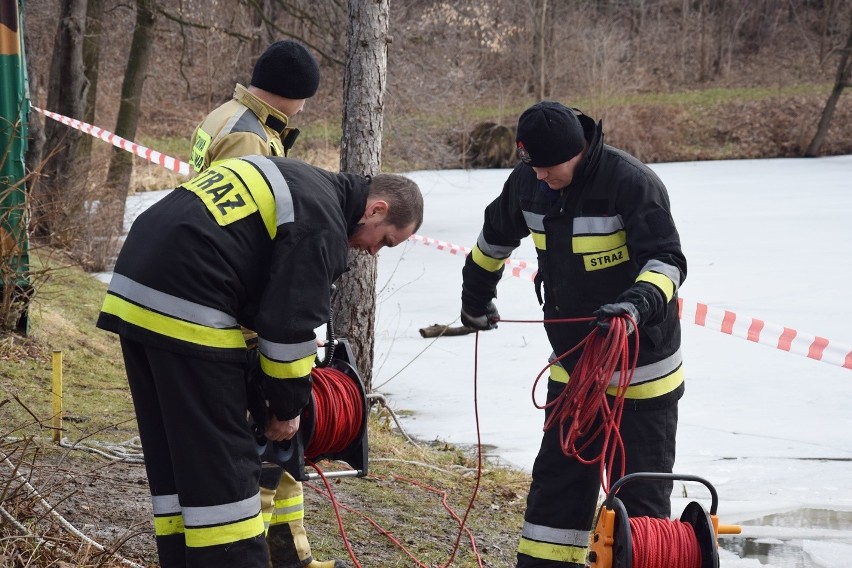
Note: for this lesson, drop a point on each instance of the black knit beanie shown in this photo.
(287, 69)
(549, 133)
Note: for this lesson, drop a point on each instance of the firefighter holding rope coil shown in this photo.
(606, 245)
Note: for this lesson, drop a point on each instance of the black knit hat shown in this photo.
(549, 133)
(287, 69)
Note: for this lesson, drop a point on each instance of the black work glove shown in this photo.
(481, 320)
(605, 313)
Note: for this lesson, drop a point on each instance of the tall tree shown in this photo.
(842, 81)
(121, 163)
(354, 302)
(91, 59)
(66, 95)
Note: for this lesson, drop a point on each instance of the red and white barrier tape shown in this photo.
(724, 321)
(151, 155)
(517, 268)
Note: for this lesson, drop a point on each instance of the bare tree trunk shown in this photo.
(66, 95)
(844, 80)
(91, 59)
(354, 302)
(121, 163)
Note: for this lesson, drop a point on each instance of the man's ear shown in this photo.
(378, 207)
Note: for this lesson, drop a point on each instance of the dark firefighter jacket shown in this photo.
(255, 241)
(608, 236)
(243, 126)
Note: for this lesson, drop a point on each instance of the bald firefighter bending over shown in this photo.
(256, 242)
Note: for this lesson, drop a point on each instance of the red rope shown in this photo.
(663, 543)
(584, 399)
(338, 415)
(338, 412)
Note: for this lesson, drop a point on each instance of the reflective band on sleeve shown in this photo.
(171, 327)
(494, 251)
(486, 262)
(170, 305)
(289, 370)
(661, 281)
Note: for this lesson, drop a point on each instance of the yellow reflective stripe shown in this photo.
(486, 262)
(199, 149)
(260, 191)
(555, 552)
(171, 327)
(289, 370)
(539, 240)
(661, 281)
(290, 509)
(225, 534)
(168, 525)
(559, 374)
(596, 243)
(224, 194)
(651, 389)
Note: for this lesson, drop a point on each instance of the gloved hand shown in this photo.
(477, 319)
(605, 313)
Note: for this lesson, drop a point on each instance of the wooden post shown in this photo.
(57, 395)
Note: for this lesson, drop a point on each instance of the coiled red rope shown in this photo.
(338, 412)
(663, 543)
(583, 414)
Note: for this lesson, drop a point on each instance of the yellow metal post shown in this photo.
(57, 395)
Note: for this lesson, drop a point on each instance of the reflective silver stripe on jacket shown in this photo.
(494, 251)
(652, 371)
(667, 270)
(284, 210)
(170, 305)
(286, 351)
(598, 225)
(221, 514)
(570, 537)
(535, 221)
(243, 121)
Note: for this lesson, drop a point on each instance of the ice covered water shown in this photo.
(799, 538)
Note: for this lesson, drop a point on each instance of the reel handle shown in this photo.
(714, 497)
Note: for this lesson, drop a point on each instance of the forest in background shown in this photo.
(671, 79)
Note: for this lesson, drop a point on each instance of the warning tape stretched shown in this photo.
(151, 155)
(724, 321)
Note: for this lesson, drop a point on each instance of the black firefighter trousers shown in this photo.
(563, 496)
(200, 457)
